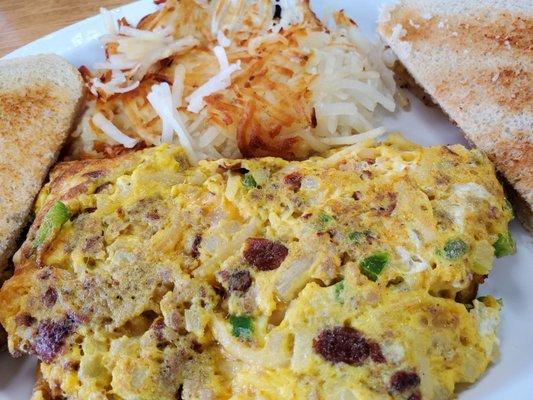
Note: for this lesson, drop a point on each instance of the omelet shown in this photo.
(347, 276)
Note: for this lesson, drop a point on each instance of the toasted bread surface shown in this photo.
(475, 58)
(40, 97)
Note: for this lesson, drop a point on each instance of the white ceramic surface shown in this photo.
(512, 278)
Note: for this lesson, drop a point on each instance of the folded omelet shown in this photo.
(350, 276)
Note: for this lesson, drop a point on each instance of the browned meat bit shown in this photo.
(375, 352)
(236, 167)
(153, 215)
(177, 321)
(314, 122)
(415, 396)
(342, 344)
(202, 292)
(85, 73)
(493, 212)
(449, 150)
(158, 326)
(45, 274)
(365, 174)
(179, 393)
(388, 205)
(224, 274)
(239, 281)
(76, 318)
(94, 174)
(71, 365)
(468, 294)
(264, 254)
(196, 347)
(91, 243)
(74, 191)
(441, 179)
(51, 336)
(103, 187)
(294, 180)
(402, 381)
(357, 195)
(195, 251)
(50, 297)
(24, 320)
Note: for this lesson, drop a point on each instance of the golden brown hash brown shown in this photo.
(273, 105)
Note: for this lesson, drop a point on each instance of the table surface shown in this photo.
(23, 21)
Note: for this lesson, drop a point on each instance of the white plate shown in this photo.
(512, 278)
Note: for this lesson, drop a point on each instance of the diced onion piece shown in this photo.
(413, 262)
(272, 355)
(232, 186)
(196, 318)
(293, 278)
(487, 318)
(112, 131)
(471, 189)
(301, 356)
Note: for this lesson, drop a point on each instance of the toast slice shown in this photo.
(40, 99)
(475, 58)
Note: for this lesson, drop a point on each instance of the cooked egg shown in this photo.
(338, 277)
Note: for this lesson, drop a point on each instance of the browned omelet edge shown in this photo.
(67, 181)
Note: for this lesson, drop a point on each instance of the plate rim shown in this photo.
(56, 40)
(35, 46)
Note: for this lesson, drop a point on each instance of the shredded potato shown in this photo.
(243, 83)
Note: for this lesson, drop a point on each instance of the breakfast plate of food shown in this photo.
(270, 199)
